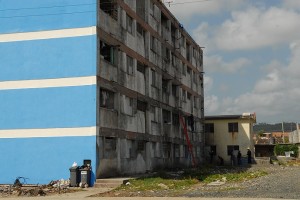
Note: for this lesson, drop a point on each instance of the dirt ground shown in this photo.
(281, 182)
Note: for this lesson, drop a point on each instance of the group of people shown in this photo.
(234, 158)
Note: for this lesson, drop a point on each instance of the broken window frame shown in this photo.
(153, 78)
(140, 68)
(166, 55)
(184, 69)
(127, 105)
(129, 24)
(183, 95)
(141, 106)
(107, 99)
(189, 96)
(141, 144)
(107, 52)
(165, 86)
(153, 44)
(110, 8)
(188, 70)
(174, 90)
(166, 116)
(155, 114)
(129, 65)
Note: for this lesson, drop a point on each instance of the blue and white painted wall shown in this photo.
(47, 87)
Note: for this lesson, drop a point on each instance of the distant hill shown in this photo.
(287, 127)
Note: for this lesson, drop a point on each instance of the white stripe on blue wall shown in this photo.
(53, 132)
(40, 35)
(46, 83)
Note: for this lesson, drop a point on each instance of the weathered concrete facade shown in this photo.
(150, 72)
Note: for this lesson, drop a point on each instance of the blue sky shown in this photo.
(251, 55)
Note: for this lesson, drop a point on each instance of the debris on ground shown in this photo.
(20, 188)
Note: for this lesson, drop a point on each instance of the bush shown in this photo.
(280, 149)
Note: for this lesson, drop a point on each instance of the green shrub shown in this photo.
(280, 149)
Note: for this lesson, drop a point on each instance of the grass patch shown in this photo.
(158, 183)
(186, 179)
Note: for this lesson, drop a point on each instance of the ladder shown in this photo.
(190, 146)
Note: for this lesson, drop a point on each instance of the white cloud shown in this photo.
(276, 96)
(257, 28)
(292, 4)
(216, 63)
(208, 83)
(202, 36)
(211, 104)
(186, 11)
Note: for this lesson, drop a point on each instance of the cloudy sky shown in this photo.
(252, 55)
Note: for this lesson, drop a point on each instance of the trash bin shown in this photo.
(74, 176)
(85, 173)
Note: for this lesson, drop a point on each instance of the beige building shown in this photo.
(229, 133)
(150, 73)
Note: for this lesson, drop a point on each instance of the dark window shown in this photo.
(189, 95)
(165, 86)
(233, 127)
(129, 65)
(186, 151)
(107, 52)
(166, 116)
(213, 149)
(142, 106)
(174, 90)
(209, 128)
(189, 70)
(140, 145)
(153, 44)
(153, 78)
(129, 24)
(231, 148)
(175, 119)
(109, 7)
(167, 149)
(140, 29)
(140, 67)
(173, 32)
(106, 99)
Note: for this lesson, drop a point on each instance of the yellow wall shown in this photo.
(221, 137)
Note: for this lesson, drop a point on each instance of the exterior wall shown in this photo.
(142, 135)
(221, 138)
(47, 88)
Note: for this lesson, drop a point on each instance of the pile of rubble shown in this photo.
(19, 189)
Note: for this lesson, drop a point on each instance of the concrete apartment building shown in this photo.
(104, 80)
(225, 134)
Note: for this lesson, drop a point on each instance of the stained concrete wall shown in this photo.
(135, 139)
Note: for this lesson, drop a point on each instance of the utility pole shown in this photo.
(282, 132)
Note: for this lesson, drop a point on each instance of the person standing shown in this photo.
(211, 154)
(249, 156)
(239, 158)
